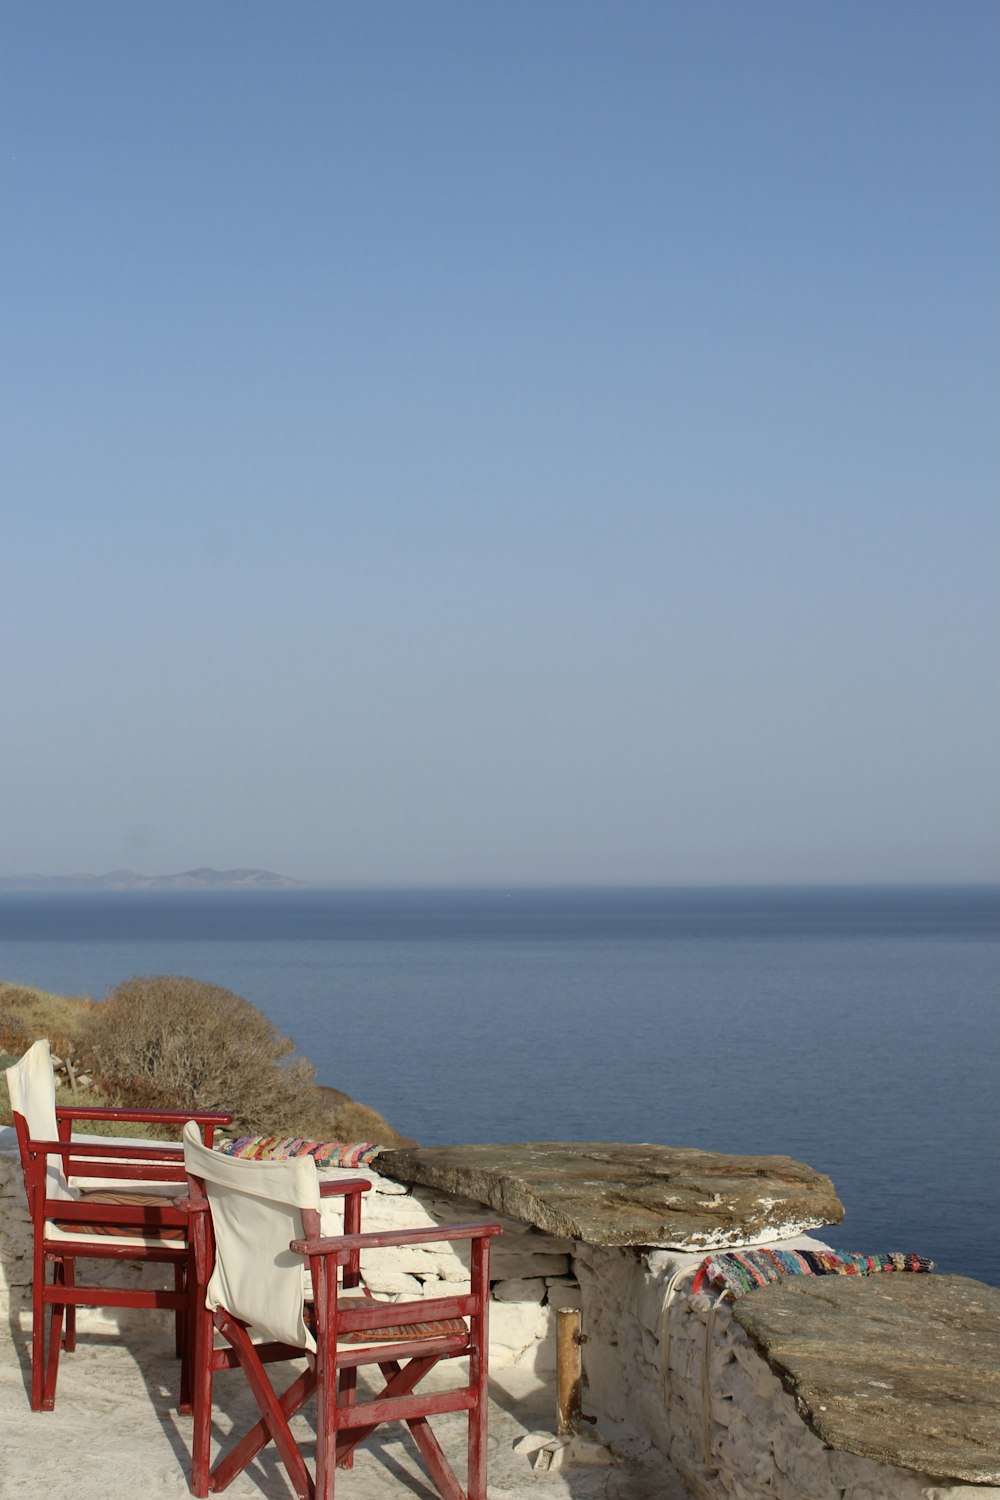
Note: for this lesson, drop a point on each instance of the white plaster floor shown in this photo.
(115, 1432)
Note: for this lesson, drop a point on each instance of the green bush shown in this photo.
(168, 1042)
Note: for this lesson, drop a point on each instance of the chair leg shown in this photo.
(179, 1317)
(348, 1395)
(184, 1340)
(69, 1336)
(326, 1416)
(38, 1317)
(437, 1465)
(275, 1415)
(200, 1362)
(55, 1343)
(478, 1370)
(477, 1452)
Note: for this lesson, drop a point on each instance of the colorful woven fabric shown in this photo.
(281, 1147)
(125, 1199)
(740, 1271)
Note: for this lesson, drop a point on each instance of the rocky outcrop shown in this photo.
(901, 1369)
(611, 1194)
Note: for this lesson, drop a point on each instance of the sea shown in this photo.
(855, 1029)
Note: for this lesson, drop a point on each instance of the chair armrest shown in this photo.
(379, 1238)
(152, 1116)
(349, 1185)
(94, 1152)
(206, 1118)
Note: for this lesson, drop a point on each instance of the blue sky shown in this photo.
(528, 442)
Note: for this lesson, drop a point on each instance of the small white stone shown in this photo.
(585, 1449)
(532, 1441)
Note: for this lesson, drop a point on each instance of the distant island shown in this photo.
(203, 879)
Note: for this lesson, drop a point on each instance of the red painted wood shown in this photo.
(69, 1279)
(143, 1216)
(328, 1189)
(54, 1303)
(441, 1233)
(83, 1296)
(344, 1420)
(399, 1381)
(270, 1407)
(123, 1154)
(96, 1248)
(479, 1337)
(328, 1409)
(438, 1466)
(144, 1116)
(277, 1411)
(400, 1408)
(398, 1314)
(351, 1356)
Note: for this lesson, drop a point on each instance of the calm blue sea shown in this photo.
(855, 1029)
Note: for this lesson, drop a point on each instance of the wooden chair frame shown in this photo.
(55, 1302)
(403, 1351)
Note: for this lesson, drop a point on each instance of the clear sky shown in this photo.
(511, 442)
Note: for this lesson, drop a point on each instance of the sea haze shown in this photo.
(855, 1029)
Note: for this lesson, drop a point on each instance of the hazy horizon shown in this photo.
(524, 885)
(469, 445)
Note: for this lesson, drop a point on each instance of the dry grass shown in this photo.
(26, 1014)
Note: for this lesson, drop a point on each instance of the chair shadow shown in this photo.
(148, 1343)
(17, 1306)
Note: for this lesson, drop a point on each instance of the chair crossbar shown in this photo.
(451, 1347)
(354, 1319)
(88, 1211)
(72, 1296)
(129, 1171)
(93, 1249)
(370, 1414)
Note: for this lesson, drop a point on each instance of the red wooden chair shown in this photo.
(95, 1200)
(258, 1250)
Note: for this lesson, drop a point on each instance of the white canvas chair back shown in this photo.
(256, 1210)
(33, 1095)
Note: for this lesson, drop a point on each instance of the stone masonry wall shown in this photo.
(675, 1371)
(663, 1369)
(530, 1271)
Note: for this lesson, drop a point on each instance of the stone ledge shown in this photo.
(607, 1193)
(900, 1368)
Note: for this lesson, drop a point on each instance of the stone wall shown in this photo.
(530, 1271)
(664, 1369)
(674, 1370)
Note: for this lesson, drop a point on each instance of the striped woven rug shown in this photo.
(740, 1271)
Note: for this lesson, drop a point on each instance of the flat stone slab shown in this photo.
(612, 1194)
(898, 1367)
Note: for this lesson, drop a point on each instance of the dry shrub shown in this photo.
(335, 1116)
(168, 1042)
